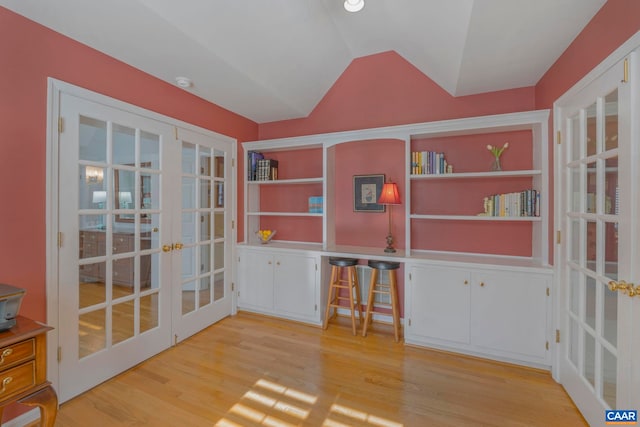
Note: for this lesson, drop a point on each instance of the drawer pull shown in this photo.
(6, 353)
(5, 383)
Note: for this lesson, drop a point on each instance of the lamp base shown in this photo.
(389, 248)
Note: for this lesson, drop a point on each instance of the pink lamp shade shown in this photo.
(390, 194)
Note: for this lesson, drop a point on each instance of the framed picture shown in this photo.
(366, 192)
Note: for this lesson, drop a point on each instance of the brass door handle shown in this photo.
(178, 246)
(626, 288)
(166, 248)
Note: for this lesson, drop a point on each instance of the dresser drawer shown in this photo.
(18, 379)
(17, 353)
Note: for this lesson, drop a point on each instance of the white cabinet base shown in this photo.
(494, 313)
(279, 283)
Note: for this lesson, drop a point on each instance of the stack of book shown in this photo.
(522, 204)
(267, 170)
(252, 164)
(315, 204)
(429, 163)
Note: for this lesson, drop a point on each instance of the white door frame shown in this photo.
(55, 89)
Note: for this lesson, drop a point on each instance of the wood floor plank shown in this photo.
(250, 370)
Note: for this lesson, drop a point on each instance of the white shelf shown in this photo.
(476, 218)
(500, 174)
(287, 181)
(283, 214)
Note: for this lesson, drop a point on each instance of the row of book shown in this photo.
(522, 204)
(261, 169)
(429, 163)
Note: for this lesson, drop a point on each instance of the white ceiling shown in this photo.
(275, 59)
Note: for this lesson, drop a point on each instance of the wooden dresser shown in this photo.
(23, 369)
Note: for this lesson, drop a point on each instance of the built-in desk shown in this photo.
(23, 369)
(485, 305)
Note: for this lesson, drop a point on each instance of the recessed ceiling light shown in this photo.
(353, 5)
(184, 82)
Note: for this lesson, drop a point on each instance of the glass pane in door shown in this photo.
(611, 121)
(118, 221)
(203, 231)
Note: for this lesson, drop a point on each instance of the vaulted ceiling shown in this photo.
(272, 60)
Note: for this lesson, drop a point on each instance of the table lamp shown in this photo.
(389, 196)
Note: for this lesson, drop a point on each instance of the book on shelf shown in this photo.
(267, 170)
(252, 164)
(429, 163)
(525, 203)
(315, 204)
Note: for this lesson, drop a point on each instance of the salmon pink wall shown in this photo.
(614, 24)
(385, 90)
(30, 53)
(368, 228)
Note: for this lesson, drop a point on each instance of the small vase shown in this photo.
(496, 166)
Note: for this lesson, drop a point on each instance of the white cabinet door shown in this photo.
(255, 280)
(438, 304)
(508, 313)
(296, 285)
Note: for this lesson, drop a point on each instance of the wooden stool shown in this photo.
(337, 283)
(380, 288)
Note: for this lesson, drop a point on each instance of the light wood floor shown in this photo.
(249, 370)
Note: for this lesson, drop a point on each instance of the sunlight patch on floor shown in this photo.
(274, 405)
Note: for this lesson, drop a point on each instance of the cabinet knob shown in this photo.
(482, 284)
(278, 263)
(269, 262)
(466, 282)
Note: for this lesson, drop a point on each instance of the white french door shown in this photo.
(203, 274)
(145, 238)
(598, 187)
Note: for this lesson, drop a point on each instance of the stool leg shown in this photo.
(351, 302)
(358, 296)
(372, 285)
(330, 298)
(393, 288)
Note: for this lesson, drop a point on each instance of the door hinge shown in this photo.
(547, 345)
(548, 292)
(60, 125)
(316, 307)
(233, 163)
(233, 225)
(59, 354)
(175, 132)
(175, 339)
(558, 237)
(409, 322)
(559, 137)
(557, 335)
(316, 266)
(409, 276)
(60, 238)
(625, 71)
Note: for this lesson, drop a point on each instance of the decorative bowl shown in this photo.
(265, 236)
